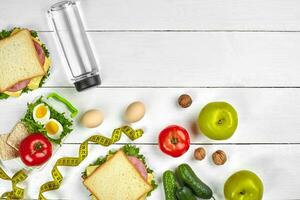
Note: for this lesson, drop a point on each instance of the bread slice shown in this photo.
(117, 179)
(18, 60)
(6, 151)
(19, 133)
(91, 169)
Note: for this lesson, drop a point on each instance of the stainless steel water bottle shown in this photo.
(68, 27)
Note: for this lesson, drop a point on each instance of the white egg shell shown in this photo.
(43, 119)
(57, 133)
(92, 118)
(134, 112)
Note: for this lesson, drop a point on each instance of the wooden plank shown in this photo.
(280, 178)
(189, 59)
(265, 115)
(164, 14)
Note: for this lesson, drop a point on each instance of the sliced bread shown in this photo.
(6, 151)
(19, 133)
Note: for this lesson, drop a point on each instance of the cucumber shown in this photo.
(185, 173)
(185, 193)
(170, 185)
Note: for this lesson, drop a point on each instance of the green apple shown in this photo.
(218, 120)
(243, 185)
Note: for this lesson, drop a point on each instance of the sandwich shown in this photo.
(120, 175)
(24, 62)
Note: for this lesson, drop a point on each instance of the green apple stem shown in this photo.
(221, 121)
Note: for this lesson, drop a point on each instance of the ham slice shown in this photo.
(19, 86)
(139, 165)
(40, 52)
(22, 84)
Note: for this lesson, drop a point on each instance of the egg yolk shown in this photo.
(51, 127)
(41, 111)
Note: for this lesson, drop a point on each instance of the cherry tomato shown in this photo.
(174, 140)
(35, 149)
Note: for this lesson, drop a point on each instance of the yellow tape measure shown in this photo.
(83, 153)
(20, 176)
(16, 193)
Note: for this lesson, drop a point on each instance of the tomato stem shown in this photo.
(38, 146)
(174, 140)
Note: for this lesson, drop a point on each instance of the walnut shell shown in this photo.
(219, 157)
(199, 153)
(185, 100)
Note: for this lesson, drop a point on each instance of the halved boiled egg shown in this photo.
(41, 113)
(54, 129)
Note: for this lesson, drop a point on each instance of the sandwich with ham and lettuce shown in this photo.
(24, 62)
(120, 175)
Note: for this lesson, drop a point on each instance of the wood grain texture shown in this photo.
(243, 52)
(164, 14)
(277, 165)
(189, 59)
(265, 115)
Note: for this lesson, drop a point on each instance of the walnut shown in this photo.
(199, 153)
(185, 101)
(219, 157)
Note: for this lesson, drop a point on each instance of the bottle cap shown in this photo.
(87, 82)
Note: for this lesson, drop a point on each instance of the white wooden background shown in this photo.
(245, 52)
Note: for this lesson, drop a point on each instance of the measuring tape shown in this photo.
(83, 153)
(16, 193)
(20, 176)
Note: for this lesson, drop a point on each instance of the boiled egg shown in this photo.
(41, 113)
(54, 129)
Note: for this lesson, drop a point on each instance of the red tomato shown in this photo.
(174, 140)
(35, 150)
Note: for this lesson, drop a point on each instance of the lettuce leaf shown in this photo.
(5, 33)
(3, 96)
